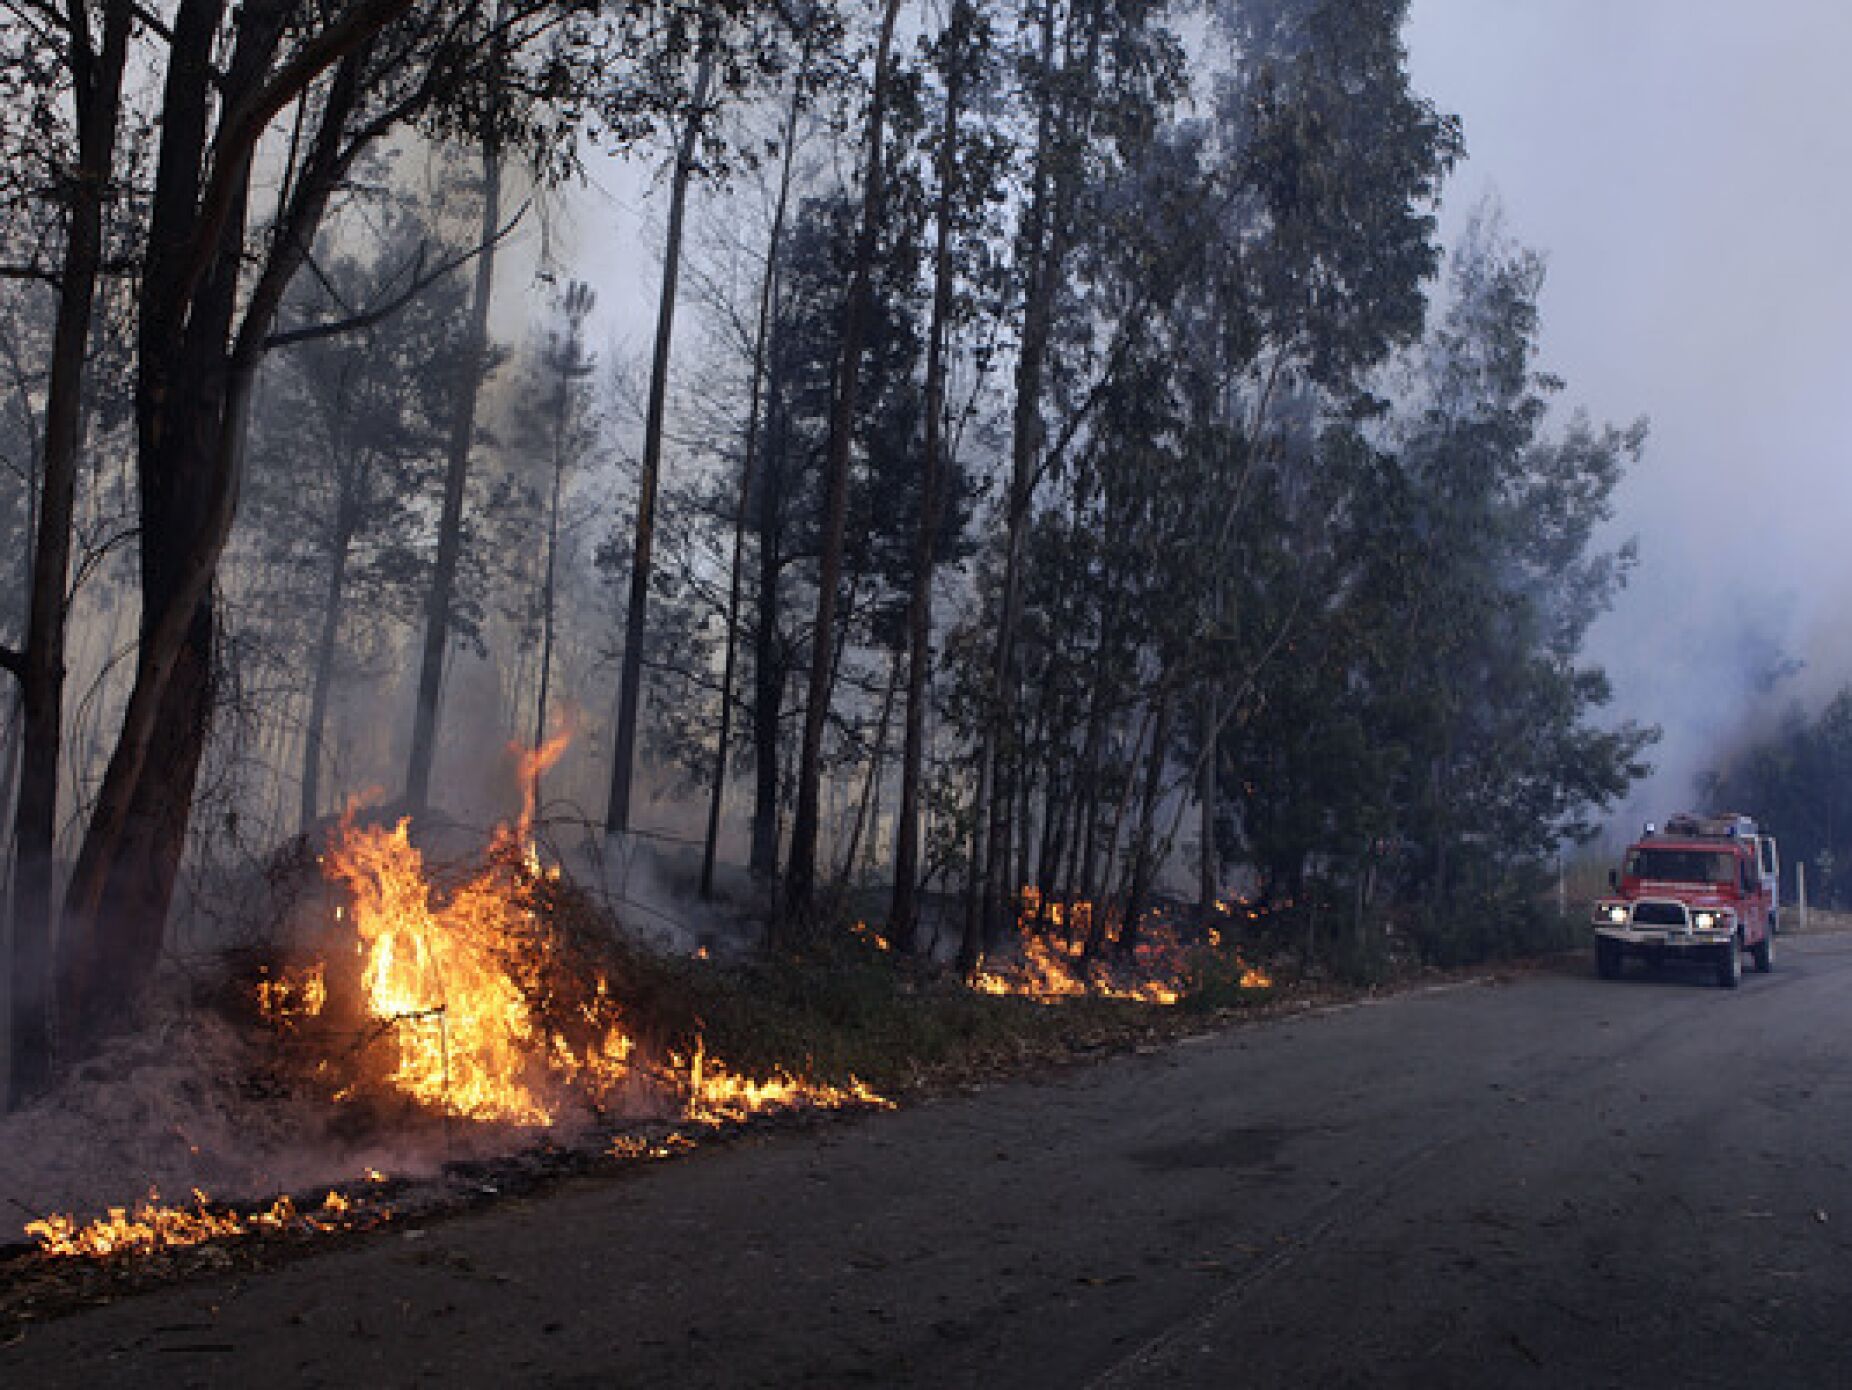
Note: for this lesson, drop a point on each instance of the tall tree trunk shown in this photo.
(193, 393)
(903, 911)
(571, 365)
(875, 758)
(800, 878)
(1208, 866)
(971, 941)
(768, 295)
(96, 91)
(313, 748)
(1046, 241)
(1144, 858)
(768, 664)
(630, 681)
(441, 597)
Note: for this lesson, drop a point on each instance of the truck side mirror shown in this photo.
(1614, 879)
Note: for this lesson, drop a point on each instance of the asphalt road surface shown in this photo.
(1553, 1181)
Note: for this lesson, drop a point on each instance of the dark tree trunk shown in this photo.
(1045, 250)
(96, 89)
(971, 942)
(869, 786)
(1144, 856)
(903, 911)
(630, 682)
(1208, 868)
(193, 396)
(441, 597)
(313, 737)
(800, 878)
(768, 298)
(768, 661)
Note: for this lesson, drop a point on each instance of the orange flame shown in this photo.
(453, 986)
(152, 1226)
(1052, 966)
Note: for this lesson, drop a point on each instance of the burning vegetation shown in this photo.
(502, 1000)
(1059, 955)
(499, 1004)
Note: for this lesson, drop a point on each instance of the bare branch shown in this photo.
(379, 313)
(149, 21)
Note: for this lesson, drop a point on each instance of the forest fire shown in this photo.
(480, 1003)
(483, 1003)
(1054, 964)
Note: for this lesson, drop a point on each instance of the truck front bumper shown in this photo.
(1667, 938)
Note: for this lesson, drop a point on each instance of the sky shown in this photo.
(1683, 165)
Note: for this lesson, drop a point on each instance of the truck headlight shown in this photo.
(1704, 921)
(1617, 914)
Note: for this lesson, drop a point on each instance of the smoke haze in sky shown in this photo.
(1683, 164)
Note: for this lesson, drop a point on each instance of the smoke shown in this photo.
(1671, 159)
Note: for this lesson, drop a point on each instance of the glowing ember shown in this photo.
(871, 936)
(152, 1226)
(632, 1146)
(293, 994)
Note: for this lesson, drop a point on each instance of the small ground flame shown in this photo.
(152, 1226)
(1051, 959)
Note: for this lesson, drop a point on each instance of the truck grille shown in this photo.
(1650, 914)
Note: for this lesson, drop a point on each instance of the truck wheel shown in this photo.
(1607, 958)
(1730, 964)
(1763, 954)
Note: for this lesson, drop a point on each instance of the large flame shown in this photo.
(485, 1017)
(441, 979)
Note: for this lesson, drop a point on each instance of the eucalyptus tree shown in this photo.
(1327, 167)
(1498, 582)
(319, 86)
(795, 900)
(82, 53)
(969, 158)
(1097, 76)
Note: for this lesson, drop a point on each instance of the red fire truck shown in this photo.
(1704, 887)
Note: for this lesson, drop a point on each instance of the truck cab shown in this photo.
(1703, 888)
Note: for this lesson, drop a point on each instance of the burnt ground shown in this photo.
(1539, 1180)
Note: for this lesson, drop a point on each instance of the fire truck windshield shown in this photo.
(1681, 865)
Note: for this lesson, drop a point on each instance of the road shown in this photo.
(1548, 1181)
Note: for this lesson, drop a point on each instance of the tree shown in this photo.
(630, 682)
(800, 875)
(566, 359)
(966, 171)
(473, 368)
(354, 75)
(93, 63)
(343, 447)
